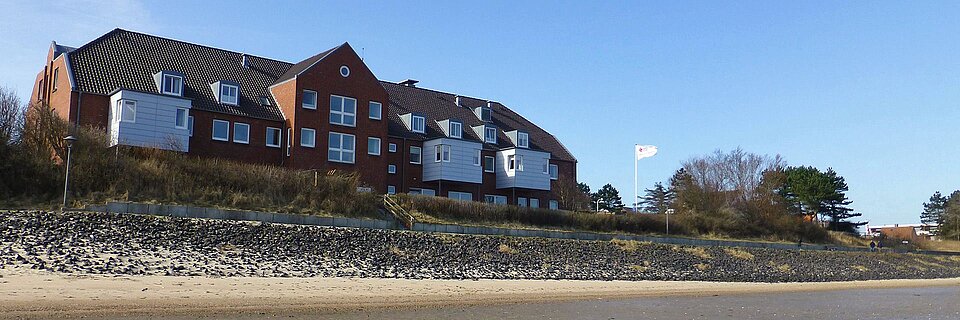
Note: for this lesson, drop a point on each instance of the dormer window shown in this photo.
(418, 124)
(229, 94)
(485, 114)
(172, 85)
(456, 130)
(490, 134)
(523, 140)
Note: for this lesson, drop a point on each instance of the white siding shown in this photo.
(461, 166)
(155, 125)
(532, 176)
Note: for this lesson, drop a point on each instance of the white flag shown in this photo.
(645, 151)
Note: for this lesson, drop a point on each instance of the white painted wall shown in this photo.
(155, 123)
(532, 176)
(461, 166)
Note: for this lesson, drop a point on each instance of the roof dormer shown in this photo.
(451, 128)
(487, 132)
(226, 92)
(520, 139)
(169, 82)
(484, 113)
(414, 122)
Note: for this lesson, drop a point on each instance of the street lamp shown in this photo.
(669, 211)
(598, 204)
(66, 180)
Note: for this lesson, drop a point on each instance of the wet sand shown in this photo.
(32, 294)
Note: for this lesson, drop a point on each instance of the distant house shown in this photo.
(327, 112)
(903, 231)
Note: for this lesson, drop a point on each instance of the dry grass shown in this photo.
(846, 239)
(738, 253)
(505, 249)
(639, 268)
(397, 252)
(702, 266)
(696, 251)
(860, 268)
(924, 262)
(628, 245)
(785, 268)
(940, 245)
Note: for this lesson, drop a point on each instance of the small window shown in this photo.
(534, 203)
(460, 196)
(182, 119)
(490, 134)
(489, 164)
(344, 71)
(343, 111)
(442, 153)
(476, 158)
(308, 137)
(391, 190)
(523, 140)
(391, 169)
(416, 155)
(376, 110)
(172, 85)
(546, 168)
(190, 124)
(418, 124)
(273, 137)
(56, 75)
(373, 146)
(264, 101)
(554, 205)
(511, 162)
(289, 140)
(229, 94)
(426, 192)
(341, 147)
(128, 110)
(521, 202)
(456, 130)
(554, 172)
(392, 147)
(309, 99)
(241, 133)
(495, 199)
(221, 130)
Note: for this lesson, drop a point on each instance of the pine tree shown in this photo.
(933, 211)
(950, 229)
(658, 199)
(609, 199)
(836, 205)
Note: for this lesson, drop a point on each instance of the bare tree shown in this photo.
(11, 115)
(736, 174)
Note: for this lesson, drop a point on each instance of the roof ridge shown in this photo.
(118, 30)
(439, 91)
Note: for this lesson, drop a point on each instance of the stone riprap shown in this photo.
(124, 244)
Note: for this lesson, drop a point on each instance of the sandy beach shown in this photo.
(38, 294)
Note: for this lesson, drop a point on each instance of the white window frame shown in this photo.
(186, 117)
(487, 137)
(227, 98)
(419, 154)
(456, 132)
(553, 205)
(278, 134)
(476, 159)
(418, 124)
(342, 149)
(303, 100)
(493, 164)
(213, 129)
(190, 125)
(56, 78)
(534, 203)
(523, 140)
(460, 195)
(391, 147)
(370, 140)
(343, 113)
(176, 85)
(289, 140)
(392, 169)
(521, 202)
(128, 110)
(379, 109)
(442, 153)
(313, 134)
(391, 190)
(344, 71)
(495, 199)
(554, 172)
(237, 125)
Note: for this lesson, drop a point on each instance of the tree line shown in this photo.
(944, 213)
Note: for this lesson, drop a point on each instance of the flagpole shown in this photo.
(635, 191)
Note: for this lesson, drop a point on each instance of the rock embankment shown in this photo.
(104, 243)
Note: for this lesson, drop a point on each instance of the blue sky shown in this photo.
(870, 88)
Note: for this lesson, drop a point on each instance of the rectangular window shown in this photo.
(546, 168)
(309, 99)
(554, 172)
(373, 146)
(416, 155)
(343, 111)
(521, 202)
(221, 130)
(476, 158)
(554, 205)
(495, 199)
(391, 169)
(376, 110)
(456, 130)
(56, 75)
(128, 110)
(40, 90)
(273, 137)
(392, 147)
(182, 118)
(391, 190)
(342, 147)
(172, 84)
(460, 196)
(511, 162)
(289, 140)
(426, 192)
(418, 124)
(442, 153)
(308, 137)
(229, 94)
(489, 164)
(519, 163)
(523, 140)
(490, 134)
(534, 203)
(241, 133)
(190, 125)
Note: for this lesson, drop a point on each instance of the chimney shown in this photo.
(244, 62)
(458, 100)
(490, 104)
(409, 83)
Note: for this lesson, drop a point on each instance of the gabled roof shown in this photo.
(302, 66)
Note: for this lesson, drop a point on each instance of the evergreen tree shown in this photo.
(811, 192)
(609, 199)
(950, 229)
(933, 211)
(658, 199)
(836, 205)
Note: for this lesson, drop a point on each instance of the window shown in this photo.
(391, 190)
(373, 146)
(534, 203)
(221, 130)
(490, 134)
(456, 130)
(483, 113)
(127, 110)
(341, 148)
(229, 94)
(417, 124)
(442, 152)
(172, 84)
(273, 137)
(426, 192)
(416, 155)
(554, 205)
(309, 99)
(376, 110)
(40, 90)
(241, 133)
(489, 164)
(554, 172)
(521, 202)
(344, 71)
(495, 199)
(264, 101)
(190, 125)
(182, 118)
(460, 196)
(476, 158)
(289, 140)
(308, 137)
(546, 168)
(56, 75)
(519, 163)
(515, 162)
(392, 147)
(523, 140)
(343, 111)
(391, 169)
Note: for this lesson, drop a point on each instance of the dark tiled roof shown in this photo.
(128, 60)
(303, 65)
(437, 106)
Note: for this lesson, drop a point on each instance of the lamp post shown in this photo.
(66, 180)
(669, 211)
(598, 204)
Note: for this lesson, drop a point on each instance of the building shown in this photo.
(910, 232)
(327, 112)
